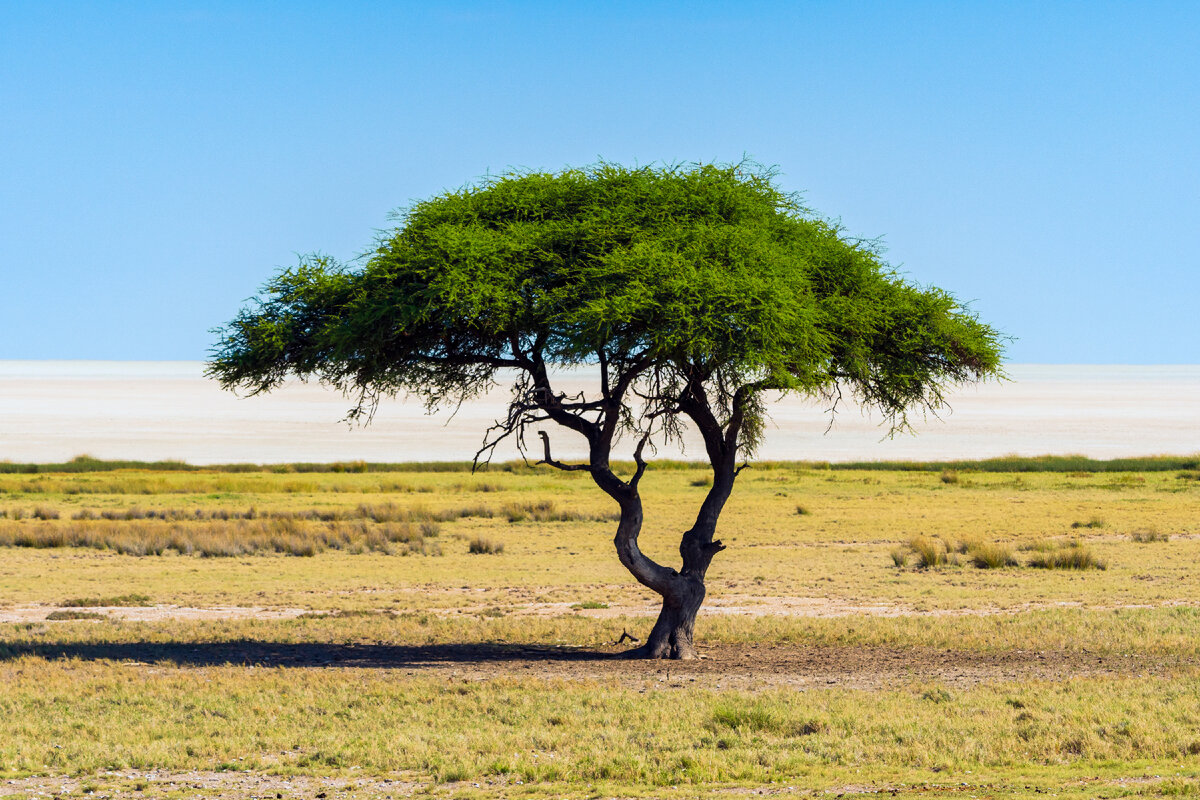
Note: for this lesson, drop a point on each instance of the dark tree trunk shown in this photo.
(673, 633)
(682, 592)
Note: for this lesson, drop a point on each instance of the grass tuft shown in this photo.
(124, 600)
(1073, 555)
(929, 552)
(59, 615)
(481, 545)
(986, 555)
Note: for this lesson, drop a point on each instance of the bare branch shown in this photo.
(637, 459)
(547, 460)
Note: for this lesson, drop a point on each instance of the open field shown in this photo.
(186, 633)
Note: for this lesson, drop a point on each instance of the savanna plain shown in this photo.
(1001, 629)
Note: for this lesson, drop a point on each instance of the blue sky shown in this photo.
(159, 161)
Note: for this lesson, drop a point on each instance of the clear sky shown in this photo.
(159, 161)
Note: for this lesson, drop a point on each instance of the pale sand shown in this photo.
(51, 411)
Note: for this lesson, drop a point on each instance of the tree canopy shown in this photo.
(693, 291)
(670, 270)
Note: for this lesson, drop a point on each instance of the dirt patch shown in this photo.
(241, 785)
(747, 667)
(720, 666)
(159, 783)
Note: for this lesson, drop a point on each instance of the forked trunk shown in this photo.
(682, 592)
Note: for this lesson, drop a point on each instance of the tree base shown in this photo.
(645, 651)
(671, 637)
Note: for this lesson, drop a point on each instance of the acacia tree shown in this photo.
(694, 293)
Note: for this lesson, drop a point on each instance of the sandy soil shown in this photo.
(258, 786)
(154, 783)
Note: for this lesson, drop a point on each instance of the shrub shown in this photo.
(899, 557)
(949, 476)
(1149, 535)
(1094, 522)
(803, 511)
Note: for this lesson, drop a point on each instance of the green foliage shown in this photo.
(664, 275)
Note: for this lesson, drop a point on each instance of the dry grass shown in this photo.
(547, 511)
(220, 538)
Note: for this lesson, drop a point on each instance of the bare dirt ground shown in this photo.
(261, 786)
(719, 667)
(156, 783)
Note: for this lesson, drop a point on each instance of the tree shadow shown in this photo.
(247, 652)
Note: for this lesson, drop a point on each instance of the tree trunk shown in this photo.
(682, 592)
(672, 635)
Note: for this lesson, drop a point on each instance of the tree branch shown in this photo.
(549, 461)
